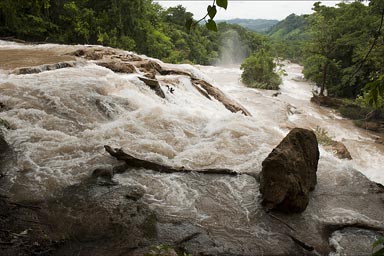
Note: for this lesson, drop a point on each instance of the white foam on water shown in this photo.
(61, 120)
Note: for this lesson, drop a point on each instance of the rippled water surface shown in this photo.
(61, 119)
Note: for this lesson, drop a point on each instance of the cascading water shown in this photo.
(61, 119)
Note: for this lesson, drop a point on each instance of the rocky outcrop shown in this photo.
(220, 96)
(191, 212)
(4, 147)
(118, 66)
(340, 150)
(289, 172)
(98, 53)
(123, 62)
(154, 85)
(42, 68)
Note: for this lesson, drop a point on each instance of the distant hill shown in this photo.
(292, 27)
(258, 25)
(289, 36)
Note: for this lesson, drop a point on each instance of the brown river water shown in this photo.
(58, 134)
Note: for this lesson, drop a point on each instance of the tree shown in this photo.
(259, 71)
(339, 39)
(322, 46)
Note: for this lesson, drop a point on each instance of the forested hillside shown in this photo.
(256, 25)
(138, 25)
(341, 49)
(289, 36)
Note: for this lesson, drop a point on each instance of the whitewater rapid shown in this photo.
(292, 108)
(61, 119)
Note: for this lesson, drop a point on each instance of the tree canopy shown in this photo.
(138, 25)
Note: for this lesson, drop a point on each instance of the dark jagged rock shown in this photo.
(103, 173)
(92, 53)
(98, 53)
(3, 107)
(42, 68)
(166, 72)
(289, 172)
(154, 85)
(118, 66)
(220, 96)
(5, 151)
(148, 66)
(140, 163)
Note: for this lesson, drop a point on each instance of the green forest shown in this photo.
(341, 47)
(136, 25)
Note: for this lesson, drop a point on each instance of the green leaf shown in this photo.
(211, 25)
(222, 3)
(188, 23)
(211, 11)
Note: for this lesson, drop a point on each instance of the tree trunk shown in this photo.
(140, 163)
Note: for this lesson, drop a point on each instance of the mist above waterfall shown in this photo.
(232, 51)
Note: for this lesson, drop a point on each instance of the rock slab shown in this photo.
(289, 172)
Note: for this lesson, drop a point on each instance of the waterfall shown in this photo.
(60, 119)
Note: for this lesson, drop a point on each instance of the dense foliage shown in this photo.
(339, 38)
(289, 37)
(334, 43)
(340, 47)
(259, 71)
(138, 25)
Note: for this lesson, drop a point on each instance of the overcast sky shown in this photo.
(256, 9)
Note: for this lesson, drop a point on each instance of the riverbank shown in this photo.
(363, 116)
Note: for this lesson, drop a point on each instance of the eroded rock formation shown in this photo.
(289, 172)
(340, 150)
(122, 62)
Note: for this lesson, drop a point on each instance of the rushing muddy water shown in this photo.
(292, 108)
(61, 119)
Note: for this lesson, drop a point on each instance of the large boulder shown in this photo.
(289, 172)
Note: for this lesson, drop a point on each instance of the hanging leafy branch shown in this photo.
(211, 13)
